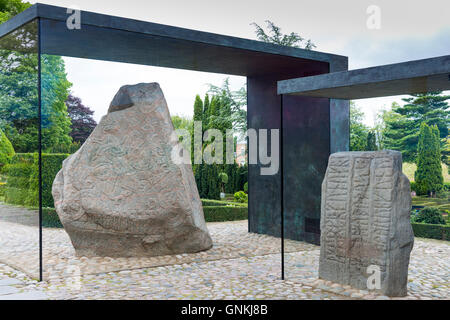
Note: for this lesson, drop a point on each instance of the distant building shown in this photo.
(241, 154)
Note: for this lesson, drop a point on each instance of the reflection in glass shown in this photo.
(19, 127)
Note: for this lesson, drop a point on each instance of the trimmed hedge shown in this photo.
(220, 214)
(2, 189)
(50, 218)
(431, 231)
(51, 164)
(22, 178)
(6, 149)
(220, 203)
(18, 173)
(446, 186)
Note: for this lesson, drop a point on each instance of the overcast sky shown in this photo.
(409, 30)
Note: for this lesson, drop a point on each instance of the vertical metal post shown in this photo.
(40, 148)
(282, 190)
(248, 163)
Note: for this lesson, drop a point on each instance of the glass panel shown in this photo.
(111, 171)
(19, 124)
(306, 145)
(108, 175)
(57, 144)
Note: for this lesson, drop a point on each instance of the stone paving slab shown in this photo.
(4, 290)
(32, 295)
(9, 282)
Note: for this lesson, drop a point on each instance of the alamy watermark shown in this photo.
(73, 21)
(267, 142)
(374, 19)
(374, 279)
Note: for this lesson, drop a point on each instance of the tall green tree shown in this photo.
(371, 141)
(198, 116)
(10, 8)
(205, 114)
(428, 175)
(403, 123)
(19, 92)
(198, 108)
(216, 114)
(230, 107)
(56, 123)
(274, 35)
(358, 130)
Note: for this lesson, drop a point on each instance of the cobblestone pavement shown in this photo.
(240, 266)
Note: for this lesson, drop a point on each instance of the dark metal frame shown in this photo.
(418, 76)
(40, 148)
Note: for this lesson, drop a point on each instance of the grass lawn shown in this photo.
(410, 168)
(441, 204)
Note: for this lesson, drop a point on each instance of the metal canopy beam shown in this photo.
(410, 77)
(111, 38)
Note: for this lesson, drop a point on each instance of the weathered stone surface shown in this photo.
(121, 195)
(365, 220)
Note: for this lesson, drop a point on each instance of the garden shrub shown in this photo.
(6, 149)
(431, 231)
(51, 164)
(246, 187)
(241, 196)
(442, 194)
(18, 173)
(446, 186)
(2, 189)
(23, 175)
(219, 214)
(17, 196)
(429, 215)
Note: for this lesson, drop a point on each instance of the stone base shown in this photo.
(102, 244)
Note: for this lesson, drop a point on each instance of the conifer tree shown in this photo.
(371, 141)
(428, 176)
(403, 123)
(205, 115)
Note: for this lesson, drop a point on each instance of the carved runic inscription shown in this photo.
(365, 220)
(121, 195)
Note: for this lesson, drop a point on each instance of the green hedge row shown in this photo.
(22, 174)
(431, 231)
(51, 164)
(219, 214)
(50, 218)
(2, 189)
(219, 203)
